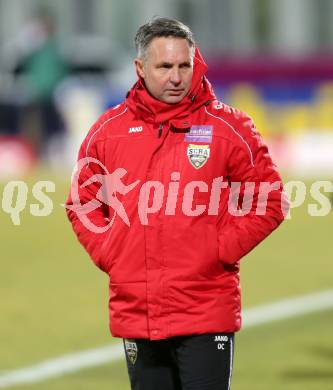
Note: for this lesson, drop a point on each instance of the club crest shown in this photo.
(198, 155)
(131, 350)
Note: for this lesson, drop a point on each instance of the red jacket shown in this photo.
(172, 249)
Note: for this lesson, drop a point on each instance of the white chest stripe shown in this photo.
(236, 132)
(101, 126)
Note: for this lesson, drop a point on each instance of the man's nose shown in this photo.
(175, 76)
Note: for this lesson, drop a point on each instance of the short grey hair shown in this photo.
(161, 27)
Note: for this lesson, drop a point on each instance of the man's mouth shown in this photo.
(175, 91)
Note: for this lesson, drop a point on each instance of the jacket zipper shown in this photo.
(160, 130)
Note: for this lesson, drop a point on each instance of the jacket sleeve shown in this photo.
(264, 208)
(88, 216)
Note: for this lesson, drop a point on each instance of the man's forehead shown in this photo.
(170, 47)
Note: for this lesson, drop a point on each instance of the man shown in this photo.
(154, 202)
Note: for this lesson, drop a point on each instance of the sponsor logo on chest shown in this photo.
(200, 133)
(198, 155)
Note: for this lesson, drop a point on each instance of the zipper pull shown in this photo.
(160, 130)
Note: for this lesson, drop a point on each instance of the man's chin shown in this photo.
(173, 99)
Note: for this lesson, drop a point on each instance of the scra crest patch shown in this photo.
(131, 350)
(198, 155)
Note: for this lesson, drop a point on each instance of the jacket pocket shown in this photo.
(108, 247)
(214, 267)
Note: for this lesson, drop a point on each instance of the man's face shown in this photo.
(167, 69)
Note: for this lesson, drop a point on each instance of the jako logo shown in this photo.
(137, 129)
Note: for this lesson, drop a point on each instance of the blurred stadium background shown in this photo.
(64, 62)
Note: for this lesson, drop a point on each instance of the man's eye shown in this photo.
(165, 66)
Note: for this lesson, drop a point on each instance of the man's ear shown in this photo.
(139, 68)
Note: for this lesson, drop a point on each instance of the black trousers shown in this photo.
(199, 362)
